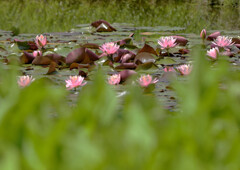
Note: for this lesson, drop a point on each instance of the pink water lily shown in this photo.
(203, 34)
(169, 69)
(109, 48)
(185, 69)
(167, 42)
(24, 81)
(213, 53)
(114, 79)
(146, 80)
(223, 41)
(40, 41)
(74, 81)
(37, 53)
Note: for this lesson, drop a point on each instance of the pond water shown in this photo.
(164, 20)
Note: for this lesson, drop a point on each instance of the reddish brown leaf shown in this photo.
(144, 57)
(117, 57)
(47, 59)
(26, 58)
(124, 41)
(102, 25)
(125, 74)
(184, 51)
(147, 48)
(182, 41)
(126, 66)
(238, 46)
(74, 66)
(126, 57)
(81, 55)
(42, 60)
(92, 56)
(236, 40)
(52, 68)
(213, 36)
(82, 73)
(76, 56)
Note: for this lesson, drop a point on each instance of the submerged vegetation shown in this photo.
(145, 92)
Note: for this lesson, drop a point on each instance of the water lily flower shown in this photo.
(223, 41)
(146, 80)
(213, 53)
(109, 48)
(41, 41)
(185, 69)
(24, 81)
(37, 53)
(74, 81)
(114, 79)
(169, 69)
(203, 34)
(167, 42)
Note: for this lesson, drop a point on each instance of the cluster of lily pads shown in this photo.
(114, 52)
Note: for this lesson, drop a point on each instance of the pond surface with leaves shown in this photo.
(141, 42)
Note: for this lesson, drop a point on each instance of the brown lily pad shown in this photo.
(126, 57)
(184, 51)
(52, 68)
(81, 55)
(147, 48)
(125, 74)
(47, 59)
(236, 40)
(213, 36)
(102, 23)
(126, 66)
(182, 41)
(74, 66)
(82, 73)
(26, 58)
(76, 56)
(144, 57)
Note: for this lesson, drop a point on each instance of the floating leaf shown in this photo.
(76, 56)
(126, 66)
(47, 59)
(52, 68)
(26, 58)
(125, 74)
(166, 61)
(213, 36)
(147, 48)
(126, 57)
(144, 57)
(182, 41)
(147, 66)
(25, 45)
(90, 45)
(103, 26)
(63, 51)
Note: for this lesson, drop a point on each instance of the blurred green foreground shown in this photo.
(39, 130)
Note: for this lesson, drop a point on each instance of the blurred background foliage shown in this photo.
(35, 16)
(40, 130)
